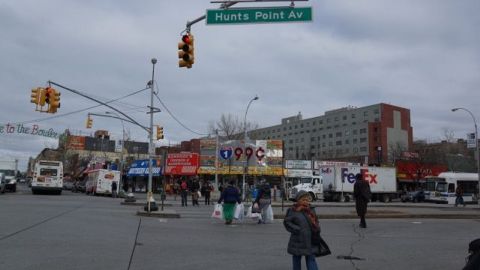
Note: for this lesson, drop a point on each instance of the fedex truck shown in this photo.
(338, 182)
(99, 182)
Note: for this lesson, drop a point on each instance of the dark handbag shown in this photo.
(317, 241)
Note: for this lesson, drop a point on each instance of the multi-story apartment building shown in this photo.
(371, 134)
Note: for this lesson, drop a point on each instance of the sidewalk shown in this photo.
(337, 210)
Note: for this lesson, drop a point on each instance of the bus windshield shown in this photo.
(442, 187)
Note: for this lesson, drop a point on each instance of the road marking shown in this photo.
(162, 220)
(416, 222)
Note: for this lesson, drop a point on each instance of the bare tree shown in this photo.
(449, 135)
(230, 127)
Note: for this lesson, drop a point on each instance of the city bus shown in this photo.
(47, 177)
(445, 189)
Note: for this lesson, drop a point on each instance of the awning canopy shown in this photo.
(140, 168)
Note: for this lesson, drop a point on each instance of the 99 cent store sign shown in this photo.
(258, 15)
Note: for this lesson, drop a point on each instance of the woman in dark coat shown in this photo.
(302, 222)
(362, 194)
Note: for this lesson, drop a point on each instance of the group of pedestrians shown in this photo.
(196, 192)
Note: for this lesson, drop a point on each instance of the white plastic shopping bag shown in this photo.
(218, 211)
(239, 212)
(269, 214)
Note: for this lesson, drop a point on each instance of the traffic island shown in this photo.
(159, 214)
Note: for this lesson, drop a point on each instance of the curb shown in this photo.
(143, 204)
(158, 214)
(393, 216)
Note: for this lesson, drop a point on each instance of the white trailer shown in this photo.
(99, 182)
(338, 182)
(9, 167)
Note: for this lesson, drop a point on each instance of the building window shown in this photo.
(328, 120)
(336, 118)
(330, 135)
(324, 136)
(355, 141)
(362, 140)
(296, 126)
(344, 117)
(354, 132)
(353, 115)
(301, 125)
(355, 150)
(324, 144)
(312, 139)
(290, 141)
(338, 143)
(376, 111)
(320, 122)
(365, 113)
(347, 141)
(301, 139)
(363, 149)
(338, 134)
(347, 132)
(363, 130)
(330, 143)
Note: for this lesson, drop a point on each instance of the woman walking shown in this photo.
(302, 222)
(230, 196)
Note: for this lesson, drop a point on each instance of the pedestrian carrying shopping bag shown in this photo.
(218, 211)
(254, 216)
(239, 212)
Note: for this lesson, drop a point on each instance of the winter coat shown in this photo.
(230, 195)
(300, 243)
(362, 194)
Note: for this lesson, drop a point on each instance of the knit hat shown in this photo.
(301, 194)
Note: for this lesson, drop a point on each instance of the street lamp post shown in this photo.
(476, 144)
(151, 205)
(245, 145)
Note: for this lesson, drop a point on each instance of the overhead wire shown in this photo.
(81, 110)
(174, 117)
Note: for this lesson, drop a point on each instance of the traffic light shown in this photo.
(42, 97)
(48, 94)
(89, 122)
(186, 51)
(159, 133)
(35, 95)
(54, 101)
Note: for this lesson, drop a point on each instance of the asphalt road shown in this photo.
(75, 231)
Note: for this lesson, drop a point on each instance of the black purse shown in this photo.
(317, 241)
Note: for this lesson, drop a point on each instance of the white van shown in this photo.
(99, 182)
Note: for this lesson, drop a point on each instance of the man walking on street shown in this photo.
(114, 189)
(362, 194)
(459, 196)
(184, 192)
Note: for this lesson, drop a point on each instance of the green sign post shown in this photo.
(259, 15)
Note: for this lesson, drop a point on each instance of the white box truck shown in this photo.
(338, 182)
(99, 181)
(300, 176)
(9, 167)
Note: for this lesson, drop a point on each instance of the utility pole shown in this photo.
(151, 205)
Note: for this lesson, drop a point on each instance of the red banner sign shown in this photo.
(182, 164)
(407, 170)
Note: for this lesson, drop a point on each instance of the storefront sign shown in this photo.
(182, 164)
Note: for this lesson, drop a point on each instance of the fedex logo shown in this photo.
(350, 177)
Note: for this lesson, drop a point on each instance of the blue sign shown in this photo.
(226, 153)
(140, 168)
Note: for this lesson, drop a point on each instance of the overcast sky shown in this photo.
(422, 55)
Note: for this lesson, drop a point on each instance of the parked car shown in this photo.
(413, 196)
(67, 185)
(78, 186)
(2, 183)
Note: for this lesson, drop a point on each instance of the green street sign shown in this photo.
(259, 15)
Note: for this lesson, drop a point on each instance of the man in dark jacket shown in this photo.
(361, 192)
(114, 189)
(230, 196)
(473, 262)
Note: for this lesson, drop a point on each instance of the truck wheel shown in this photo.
(311, 198)
(346, 198)
(386, 198)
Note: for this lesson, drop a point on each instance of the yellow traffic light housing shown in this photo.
(42, 97)
(54, 101)
(186, 51)
(35, 95)
(89, 122)
(159, 133)
(48, 94)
